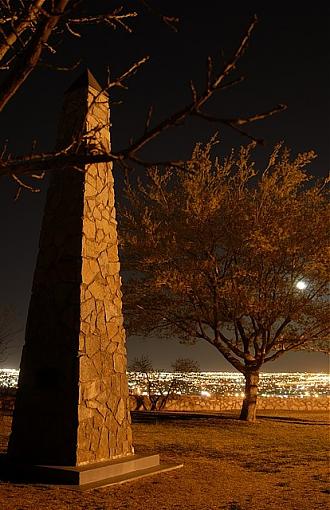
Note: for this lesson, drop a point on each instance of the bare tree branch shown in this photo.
(30, 57)
(28, 61)
(18, 26)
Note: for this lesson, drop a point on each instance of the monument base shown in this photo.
(91, 476)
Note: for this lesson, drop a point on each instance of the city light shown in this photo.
(217, 384)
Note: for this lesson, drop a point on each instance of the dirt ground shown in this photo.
(280, 462)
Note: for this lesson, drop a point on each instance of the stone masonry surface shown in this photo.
(72, 400)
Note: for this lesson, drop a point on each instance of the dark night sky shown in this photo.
(287, 62)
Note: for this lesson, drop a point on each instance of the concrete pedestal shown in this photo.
(91, 476)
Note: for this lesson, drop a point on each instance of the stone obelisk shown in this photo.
(72, 402)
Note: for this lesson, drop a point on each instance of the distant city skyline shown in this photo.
(220, 383)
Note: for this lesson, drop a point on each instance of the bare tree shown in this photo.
(185, 366)
(160, 389)
(232, 256)
(29, 37)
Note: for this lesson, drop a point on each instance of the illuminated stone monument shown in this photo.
(71, 421)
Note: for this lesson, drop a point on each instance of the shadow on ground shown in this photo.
(161, 416)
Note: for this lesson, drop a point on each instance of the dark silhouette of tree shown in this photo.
(159, 390)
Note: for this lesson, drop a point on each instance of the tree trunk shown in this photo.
(249, 407)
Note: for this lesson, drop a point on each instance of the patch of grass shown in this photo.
(228, 465)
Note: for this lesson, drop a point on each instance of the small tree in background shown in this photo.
(159, 389)
(236, 257)
(184, 366)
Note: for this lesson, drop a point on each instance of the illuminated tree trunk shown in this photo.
(249, 407)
